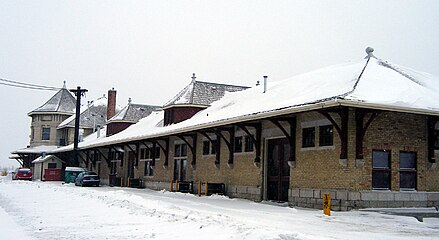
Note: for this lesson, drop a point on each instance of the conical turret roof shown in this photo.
(62, 102)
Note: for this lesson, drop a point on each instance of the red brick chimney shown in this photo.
(111, 105)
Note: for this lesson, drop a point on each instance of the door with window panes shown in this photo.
(278, 171)
(180, 162)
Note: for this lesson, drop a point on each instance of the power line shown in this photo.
(11, 83)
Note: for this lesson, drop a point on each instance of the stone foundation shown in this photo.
(247, 192)
(342, 200)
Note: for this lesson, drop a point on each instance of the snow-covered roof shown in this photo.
(75, 169)
(45, 158)
(62, 102)
(14, 156)
(101, 133)
(133, 112)
(371, 83)
(93, 114)
(202, 93)
(36, 150)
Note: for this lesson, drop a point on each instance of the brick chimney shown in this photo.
(111, 105)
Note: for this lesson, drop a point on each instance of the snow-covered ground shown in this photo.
(51, 210)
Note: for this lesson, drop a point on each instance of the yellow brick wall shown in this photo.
(399, 132)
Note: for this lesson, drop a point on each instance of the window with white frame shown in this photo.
(115, 157)
(180, 162)
(146, 155)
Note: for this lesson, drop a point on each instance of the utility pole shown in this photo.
(78, 93)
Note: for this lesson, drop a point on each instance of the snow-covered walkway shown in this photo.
(51, 210)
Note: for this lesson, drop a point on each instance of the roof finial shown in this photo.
(129, 101)
(369, 51)
(193, 77)
(64, 85)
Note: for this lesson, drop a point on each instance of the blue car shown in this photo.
(87, 179)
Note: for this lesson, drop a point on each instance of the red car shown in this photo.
(22, 174)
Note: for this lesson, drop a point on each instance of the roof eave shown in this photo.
(45, 112)
(250, 117)
(273, 113)
(185, 105)
(393, 108)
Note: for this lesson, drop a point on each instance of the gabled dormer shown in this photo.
(92, 117)
(193, 98)
(129, 115)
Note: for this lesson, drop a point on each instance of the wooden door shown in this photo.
(131, 159)
(278, 171)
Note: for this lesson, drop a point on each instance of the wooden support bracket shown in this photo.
(361, 128)
(256, 139)
(165, 149)
(216, 145)
(107, 159)
(290, 135)
(431, 137)
(192, 146)
(342, 128)
(229, 142)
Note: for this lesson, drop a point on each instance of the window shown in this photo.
(149, 169)
(308, 137)
(180, 150)
(407, 170)
(51, 165)
(145, 153)
(213, 150)
(45, 134)
(248, 144)
(380, 169)
(206, 147)
(180, 162)
(238, 144)
(326, 135)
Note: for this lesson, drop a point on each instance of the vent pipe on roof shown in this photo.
(265, 83)
(98, 134)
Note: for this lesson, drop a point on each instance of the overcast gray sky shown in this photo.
(147, 50)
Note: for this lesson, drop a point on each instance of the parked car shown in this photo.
(22, 174)
(87, 179)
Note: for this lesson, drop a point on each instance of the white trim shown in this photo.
(317, 148)
(315, 123)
